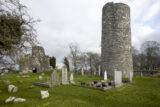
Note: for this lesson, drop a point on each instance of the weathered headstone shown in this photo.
(117, 78)
(72, 79)
(54, 78)
(95, 71)
(105, 75)
(99, 70)
(130, 76)
(82, 72)
(141, 74)
(64, 76)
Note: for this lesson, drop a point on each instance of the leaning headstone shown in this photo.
(54, 78)
(82, 72)
(64, 76)
(105, 76)
(15, 89)
(130, 76)
(44, 94)
(72, 79)
(117, 78)
(10, 99)
(19, 100)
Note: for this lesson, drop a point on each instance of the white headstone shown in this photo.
(117, 78)
(82, 72)
(130, 76)
(99, 70)
(64, 75)
(105, 75)
(71, 78)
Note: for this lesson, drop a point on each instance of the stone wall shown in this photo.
(145, 73)
(116, 39)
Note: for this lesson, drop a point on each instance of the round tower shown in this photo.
(116, 49)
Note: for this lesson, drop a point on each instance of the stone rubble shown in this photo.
(44, 94)
(12, 88)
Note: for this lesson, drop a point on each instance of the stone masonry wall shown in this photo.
(116, 39)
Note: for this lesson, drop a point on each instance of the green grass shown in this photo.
(143, 92)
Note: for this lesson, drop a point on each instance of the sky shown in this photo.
(79, 21)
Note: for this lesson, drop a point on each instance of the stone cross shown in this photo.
(130, 76)
(64, 76)
(105, 75)
(117, 78)
(99, 70)
(82, 72)
(54, 78)
(72, 79)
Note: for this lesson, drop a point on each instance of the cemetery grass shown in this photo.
(143, 92)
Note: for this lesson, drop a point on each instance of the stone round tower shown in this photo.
(116, 46)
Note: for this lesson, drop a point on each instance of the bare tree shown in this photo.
(94, 60)
(74, 53)
(135, 56)
(151, 50)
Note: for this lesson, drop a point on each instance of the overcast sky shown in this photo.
(70, 21)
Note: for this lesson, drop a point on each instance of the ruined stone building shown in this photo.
(116, 52)
(35, 62)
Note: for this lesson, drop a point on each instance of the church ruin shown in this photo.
(35, 62)
(116, 49)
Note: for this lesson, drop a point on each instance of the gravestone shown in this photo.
(54, 81)
(72, 79)
(130, 76)
(105, 75)
(54, 78)
(64, 76)
(82, 72)
(117, 78)
(99, 70)
(95, 71)
(141, 74)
